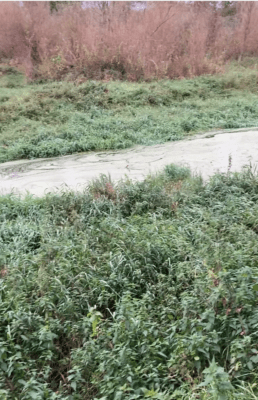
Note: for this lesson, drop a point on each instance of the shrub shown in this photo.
(176, 173)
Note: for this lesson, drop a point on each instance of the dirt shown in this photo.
(204, 154)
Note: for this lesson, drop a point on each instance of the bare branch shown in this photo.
(163, 22)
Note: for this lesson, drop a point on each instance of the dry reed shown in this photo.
(167, 39)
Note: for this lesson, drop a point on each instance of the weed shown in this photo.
(58, 118)
(133, 290)
(176, 173)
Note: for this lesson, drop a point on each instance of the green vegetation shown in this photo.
(58, 118)
(129, 290)
(132, 291)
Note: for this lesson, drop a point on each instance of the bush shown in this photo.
(176, 173)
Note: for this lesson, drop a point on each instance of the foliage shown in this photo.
(131, 290)
(176, 173)
(58, 118)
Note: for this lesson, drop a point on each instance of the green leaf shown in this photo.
(3, 366)
(162, 354)
(150, 393)
(33, 395)
(250, 365)
(22, 382)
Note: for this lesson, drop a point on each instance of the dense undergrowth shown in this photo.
(132, 290)
(57, 118)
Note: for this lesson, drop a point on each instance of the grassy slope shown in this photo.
(51, 119)
(129, 292)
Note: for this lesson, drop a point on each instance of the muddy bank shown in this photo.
(204, 154)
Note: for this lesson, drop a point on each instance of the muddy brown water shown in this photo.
(204, 154)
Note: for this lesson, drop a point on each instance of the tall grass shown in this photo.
(167, 39)
(58, 118)
(131, 291)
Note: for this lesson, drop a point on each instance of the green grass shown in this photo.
(58, 118)
(132, 291)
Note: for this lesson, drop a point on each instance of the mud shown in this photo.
(205, 154)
